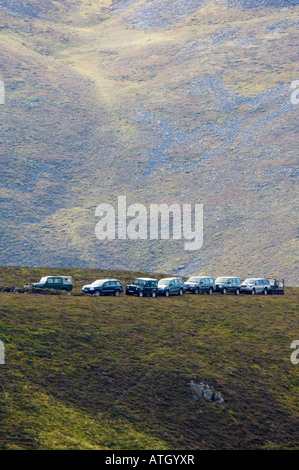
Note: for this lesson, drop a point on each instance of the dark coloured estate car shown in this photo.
(254, 286)
(104, 287)
(142, 287)
(171, 286)
(228, 284)
(200, 284)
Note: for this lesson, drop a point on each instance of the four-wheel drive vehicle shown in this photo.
(55, 282)
(276, 286)
(142, 287)
(171, 286)
(104, 287)
(198, 284)
(255, 286)
(228, 284)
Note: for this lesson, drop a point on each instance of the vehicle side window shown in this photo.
(50, 281)
(57, 281)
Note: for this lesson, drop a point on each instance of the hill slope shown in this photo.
(160, 101)
(115, 373)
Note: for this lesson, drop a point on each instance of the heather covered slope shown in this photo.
(114, 373)
(159, 101)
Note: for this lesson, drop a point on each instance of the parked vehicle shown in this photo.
(276, 286)
(142, 287)
(228, 284)
(255, 286)
(55, 282)
(104, 287)
(171, 286)
(200, 284)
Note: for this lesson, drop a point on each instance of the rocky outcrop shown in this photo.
(203, 390)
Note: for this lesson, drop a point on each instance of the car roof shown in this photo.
(202, 277)
(69, 277)
(146, 279)
(169, 278)
(229, 277)
(257, 278)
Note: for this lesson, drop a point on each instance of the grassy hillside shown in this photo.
(115, 373)
(162, 101)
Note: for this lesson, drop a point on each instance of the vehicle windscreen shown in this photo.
(193, 279)
(221, 279)
(163, 282)
(249, 281)
(98, 283)
(43, 280)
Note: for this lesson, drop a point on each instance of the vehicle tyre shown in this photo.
(167, 293)
(265, 291)
(196, 292)
(154, 294)
(210, 291)
(140, 293)
(253, 292)
(117, 293)
(224, 291)
(237, 292)
(181, 291)
(97, 293)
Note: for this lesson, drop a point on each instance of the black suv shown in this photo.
(142, 287)
(104, 287)
(228, 284)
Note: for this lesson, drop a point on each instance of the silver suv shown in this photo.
(255, 286)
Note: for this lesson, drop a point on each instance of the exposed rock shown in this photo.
(201, 389)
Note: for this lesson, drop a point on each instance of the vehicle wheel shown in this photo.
(265, 291)
(97, 293)
(167, 293)
(224, 291)
(140, 293)
(154, 294)
(238, 292)
(210, 291)
(117, 293)
(196, 292)
(181, 292)
(253, 292)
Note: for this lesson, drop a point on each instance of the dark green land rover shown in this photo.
(55, 282)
